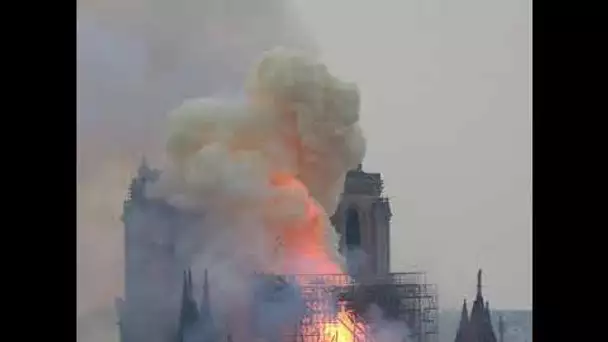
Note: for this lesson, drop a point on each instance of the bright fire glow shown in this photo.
(344, 329)
(305, 239)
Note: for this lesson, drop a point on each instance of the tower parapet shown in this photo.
(362, 183)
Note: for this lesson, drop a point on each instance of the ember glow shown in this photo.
(345, 329)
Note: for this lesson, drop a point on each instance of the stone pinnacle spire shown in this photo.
(205, 309)
(463, 329)
(189, 312)
(479, 283)
(206, 287)
(464, 314)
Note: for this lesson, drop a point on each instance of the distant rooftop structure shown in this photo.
(478, 326)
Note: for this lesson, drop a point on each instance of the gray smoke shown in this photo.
(135, 61)
(300, 124)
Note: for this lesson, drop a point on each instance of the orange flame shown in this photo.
(304, 241)
(303, 238)
(344, 329)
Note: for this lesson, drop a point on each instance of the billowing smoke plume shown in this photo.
(136, 60)
(269, 170)
(264, 173)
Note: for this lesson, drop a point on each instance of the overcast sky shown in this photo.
(446, 96)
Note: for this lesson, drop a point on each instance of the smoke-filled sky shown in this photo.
(446, 108)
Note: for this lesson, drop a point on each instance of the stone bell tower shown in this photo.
(363, 221)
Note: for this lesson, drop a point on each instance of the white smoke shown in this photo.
(327, 115)
(298, 119)
(222, 154)
(384, 330)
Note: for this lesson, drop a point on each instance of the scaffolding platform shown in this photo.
(401, 297)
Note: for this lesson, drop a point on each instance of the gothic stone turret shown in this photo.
(363, 221)
(153, 263)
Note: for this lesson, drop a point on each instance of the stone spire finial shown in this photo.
(205, 308)
(464, 314)
(463, 328)
(206, 287)
(479, 283)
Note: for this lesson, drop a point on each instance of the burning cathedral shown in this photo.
(162, 303)
(246, 216)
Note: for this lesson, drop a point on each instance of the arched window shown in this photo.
(353, 230)
(352, 239)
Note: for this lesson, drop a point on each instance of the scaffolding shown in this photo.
(402, 297)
